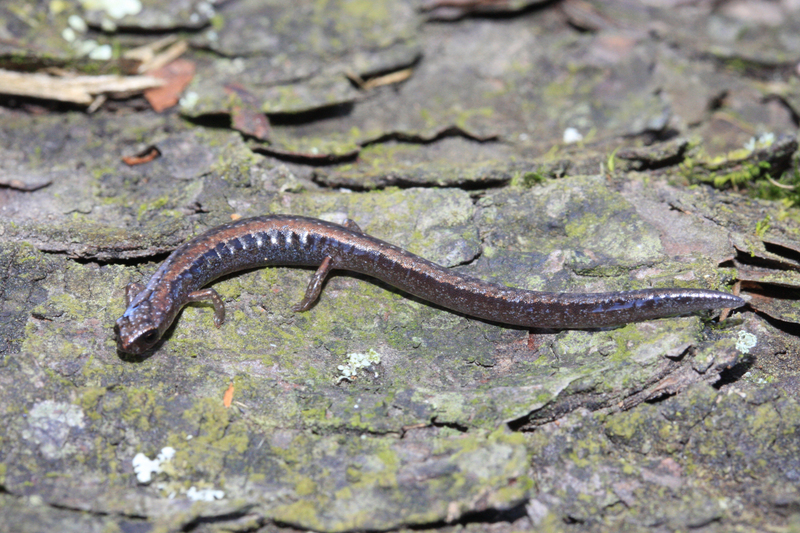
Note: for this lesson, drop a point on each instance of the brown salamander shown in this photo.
(301, 241)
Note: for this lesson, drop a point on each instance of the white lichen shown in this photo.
(204, 495)
(205, 8)
(760, 141)
(144, 467)
(356, 362)
(77, 24)
(745, 342)
(189, 100)
(114, 8)
(50, 427)
(572, 135)
(102, 52)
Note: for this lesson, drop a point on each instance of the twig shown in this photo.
(78, 89)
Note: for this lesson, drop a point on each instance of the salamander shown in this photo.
(301, 241)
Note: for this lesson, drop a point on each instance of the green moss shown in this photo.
(215, 438)
(69, 304)
(305, 486)
(314, 415)
(744, 168)
(763, 226)
(624, 426)
(765, 419)
(154, 205)
(560, 89)
(139, 405)
(527, 180)
(89, 399)
(345, 493)
(353, 473)
(300, 512)
(391, 462)
(745, 173)
(611, 161)
(463, 117)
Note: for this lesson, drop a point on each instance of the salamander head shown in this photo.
(137, 330)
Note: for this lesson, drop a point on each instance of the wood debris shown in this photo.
(81, 90)
(388, 79)
(149, 58)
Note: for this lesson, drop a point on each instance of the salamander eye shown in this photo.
(150, 337)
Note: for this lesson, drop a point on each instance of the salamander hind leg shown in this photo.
(131, 290)
(315, 286)
(210, 295)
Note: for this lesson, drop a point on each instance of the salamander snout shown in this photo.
(135, 330)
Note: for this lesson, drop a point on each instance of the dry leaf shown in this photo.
(145, 156)
(176, 77)
(246, 116)
(227, 398)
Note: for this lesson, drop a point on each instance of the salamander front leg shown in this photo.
(131, 290)
(350, 224)
(210, 295)
(315, 285)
